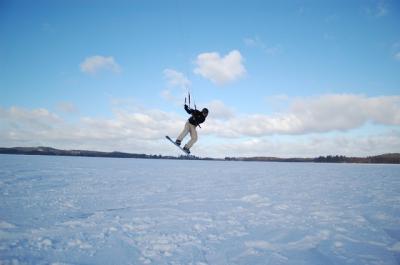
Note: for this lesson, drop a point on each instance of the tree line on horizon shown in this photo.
(391, 158)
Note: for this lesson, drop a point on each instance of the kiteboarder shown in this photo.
(197, 117)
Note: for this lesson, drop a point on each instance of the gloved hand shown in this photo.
(187, 107)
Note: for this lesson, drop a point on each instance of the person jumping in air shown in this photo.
(195, 120)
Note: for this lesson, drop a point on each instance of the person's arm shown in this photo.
(188, 110)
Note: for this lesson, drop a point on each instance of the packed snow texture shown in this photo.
(75, 210)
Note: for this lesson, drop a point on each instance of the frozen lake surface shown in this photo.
(75, 210)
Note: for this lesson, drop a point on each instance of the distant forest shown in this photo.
(392, 158)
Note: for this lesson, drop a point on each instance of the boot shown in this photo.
(186, 150)
(178, 142)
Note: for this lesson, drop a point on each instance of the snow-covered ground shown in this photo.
(74, 210)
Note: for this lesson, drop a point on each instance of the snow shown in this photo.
(76, 210)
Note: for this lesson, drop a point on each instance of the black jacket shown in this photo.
(197, 116)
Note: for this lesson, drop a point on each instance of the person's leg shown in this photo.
(184, 132)
(193, 136)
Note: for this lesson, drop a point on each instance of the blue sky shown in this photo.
(281, 78)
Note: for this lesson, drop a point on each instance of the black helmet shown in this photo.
(205, 111)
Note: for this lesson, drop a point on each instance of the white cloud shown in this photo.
(277, 102)
(220, 110)
(97, 63)
(176, 79)
(67, 107)
(299, 131)
(327, 113)
(256, 42)
(253, 42)
(397, 56)
(346, 111)
(307, 146)
(167, 95)
(381, 9)
(220, 70)
(378, 9)
(37, 119)
(124, 131)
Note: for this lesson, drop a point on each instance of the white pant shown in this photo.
(189, 128)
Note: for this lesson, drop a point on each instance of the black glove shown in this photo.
(187, 108)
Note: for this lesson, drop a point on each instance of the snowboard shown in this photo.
(172, 141)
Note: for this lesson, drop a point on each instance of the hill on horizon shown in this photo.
(389, 158)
